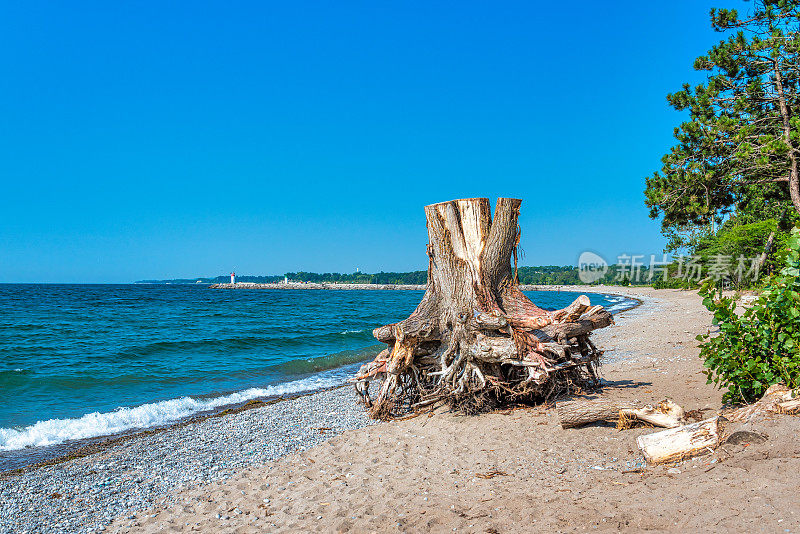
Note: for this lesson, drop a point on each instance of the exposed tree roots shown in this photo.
(475, 341)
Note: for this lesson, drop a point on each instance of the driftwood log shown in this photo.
(577, 413)
(475, 340)
(777, 399)
(680, 443)
(790, 407)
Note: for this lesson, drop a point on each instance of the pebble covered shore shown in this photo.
(85, 494)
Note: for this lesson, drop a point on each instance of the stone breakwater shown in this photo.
(85, 494)
(343, 287)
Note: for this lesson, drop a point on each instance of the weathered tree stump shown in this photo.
(475, 339)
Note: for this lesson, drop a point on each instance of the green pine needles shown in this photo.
(761, 346)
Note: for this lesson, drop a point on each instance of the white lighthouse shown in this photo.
(233, 278)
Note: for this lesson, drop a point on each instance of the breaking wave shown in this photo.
(96, 424)
(618, 304)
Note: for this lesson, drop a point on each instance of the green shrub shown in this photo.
(671, 283)
(761, 346)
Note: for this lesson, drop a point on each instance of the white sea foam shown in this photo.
(91, 425)
(351, 331)
(620, 304)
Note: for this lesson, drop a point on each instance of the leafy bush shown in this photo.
(671, 283)
(761, 346)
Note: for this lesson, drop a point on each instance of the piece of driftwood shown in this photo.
(577, 413)
(789, 407)
(771, 403)
(679, 443)
(475, 340)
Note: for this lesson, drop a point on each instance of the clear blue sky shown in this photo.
(160, 139)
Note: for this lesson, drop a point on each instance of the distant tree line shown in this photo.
(551, 275)
(548, 275)
(542, 275)
(413, 277)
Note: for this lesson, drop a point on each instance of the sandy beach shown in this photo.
(509, 471)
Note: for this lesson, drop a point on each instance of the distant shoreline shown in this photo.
(343, 287)
(397, 287)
